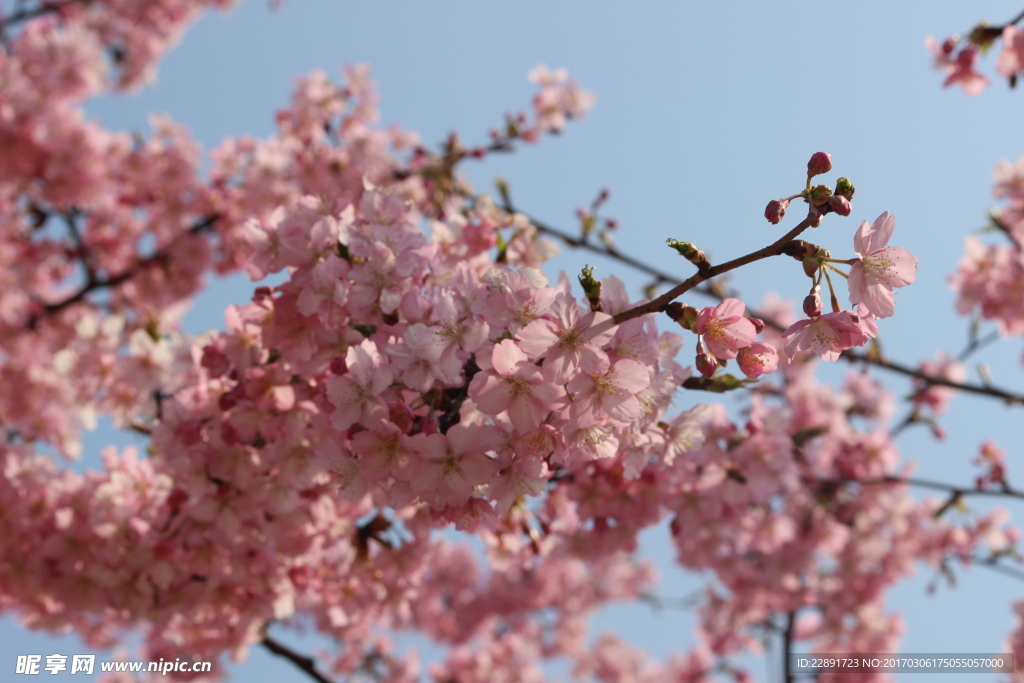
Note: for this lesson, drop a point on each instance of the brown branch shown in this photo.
(994, 564)
(306, 664)
(979, 389)
(850, 356)
(93, 284)
(787, 647)
(657, 305)
(955, 492)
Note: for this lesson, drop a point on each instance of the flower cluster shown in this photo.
(413, 369)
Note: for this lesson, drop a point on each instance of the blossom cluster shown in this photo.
(414, 369)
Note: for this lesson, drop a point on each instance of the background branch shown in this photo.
(306, 664)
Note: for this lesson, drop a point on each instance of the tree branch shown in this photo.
(661, 277)
(94, 283)
(306, 664)
(787, 647)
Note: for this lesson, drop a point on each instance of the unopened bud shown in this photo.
(591, 287)
(798, 249)
(683, 314)
(844, 188)
(812, 303)
(814, 217)
(706, 363)
(818, 194)
(984, 35)
(691, 253)
(821, 162)
(811, 266)
(776, 210)
(758, 324)
(840, 205)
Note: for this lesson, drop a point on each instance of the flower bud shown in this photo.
(821, 162)
(844, 188)
(818, 194)
(840, 205)
(758, 324)
(814, 217)
(691, 253)
(811, 266)
(798, 249)
(591, 287)
(776, 210)
(812, 303)
(683, 314)
(706, 363)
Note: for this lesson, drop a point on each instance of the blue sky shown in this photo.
(705, 111)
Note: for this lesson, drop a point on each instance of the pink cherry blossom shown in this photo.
(827, 335)
(568, 343)
(880, 268)
(450, 466)
(356, 395)
(725, 329)
(758, 359)
(517, 386)
(1011, 59)
(610, 394)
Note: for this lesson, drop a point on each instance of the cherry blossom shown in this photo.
(725, 329)
(517, 386)
(412, 384)
(880, 268)
(826, 336)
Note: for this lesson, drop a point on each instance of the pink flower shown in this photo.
(1011, 60)
(758, 359)
(518, 387)
(356, 395)
(725, 329)
(1009, 179)
(569, 343)
(451, 465)
(964, 74)
(685, 432)
(827, 335)
(942, 52)
(611, 393)
(937, 397)
(880, 267)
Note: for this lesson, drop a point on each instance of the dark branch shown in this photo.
(850, 356)
(306, 664)
(95, 283)
(787, 647)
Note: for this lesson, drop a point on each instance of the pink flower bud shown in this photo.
(814, 217)
(840, 205)
(775, 210)
(821, 162)
(758, 325)
(706, 363)
(812, 304)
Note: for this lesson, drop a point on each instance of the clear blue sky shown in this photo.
(705, 112)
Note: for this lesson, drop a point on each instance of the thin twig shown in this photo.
(95, 283)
